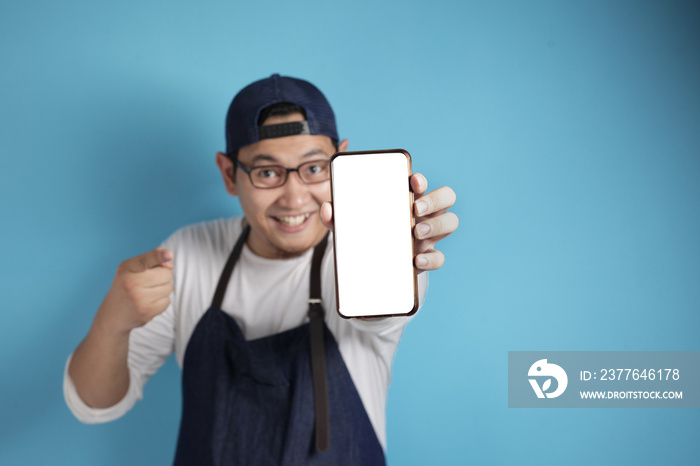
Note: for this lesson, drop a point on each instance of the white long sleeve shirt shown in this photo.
(265, 297)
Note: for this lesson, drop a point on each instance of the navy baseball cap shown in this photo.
(242, 118)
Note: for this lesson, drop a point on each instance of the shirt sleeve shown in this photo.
(89, 415)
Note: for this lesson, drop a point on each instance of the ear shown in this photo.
(226, 167)
(343, 146)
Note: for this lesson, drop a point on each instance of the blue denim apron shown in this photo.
(273, 400)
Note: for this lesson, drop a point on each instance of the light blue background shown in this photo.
(569, 130)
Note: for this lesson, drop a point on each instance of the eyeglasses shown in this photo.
(274, 176)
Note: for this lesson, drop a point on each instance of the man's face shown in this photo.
(284, 221)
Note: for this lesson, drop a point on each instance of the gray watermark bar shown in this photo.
(604, 379)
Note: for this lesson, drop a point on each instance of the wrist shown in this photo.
(107, 325)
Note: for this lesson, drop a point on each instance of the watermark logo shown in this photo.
(542, 369)
(603, 379)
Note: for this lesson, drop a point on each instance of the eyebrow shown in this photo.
(273, 159)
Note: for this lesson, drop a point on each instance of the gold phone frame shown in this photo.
(410, 226)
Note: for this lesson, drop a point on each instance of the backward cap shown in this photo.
(244, 112)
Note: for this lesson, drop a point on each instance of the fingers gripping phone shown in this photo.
(372, 234)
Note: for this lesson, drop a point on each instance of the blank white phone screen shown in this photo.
(373, 234)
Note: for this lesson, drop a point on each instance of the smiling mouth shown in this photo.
(293, 220)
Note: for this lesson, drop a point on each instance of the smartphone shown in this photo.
(373, 234)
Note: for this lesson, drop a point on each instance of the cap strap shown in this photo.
(284, 129)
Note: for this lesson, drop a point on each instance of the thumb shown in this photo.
(327, 215)
(148, 260)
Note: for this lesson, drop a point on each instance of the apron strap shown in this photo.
(228, 269)
(318, 349)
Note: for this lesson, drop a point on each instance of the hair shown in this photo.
(280, 109)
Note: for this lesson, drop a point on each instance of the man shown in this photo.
(257, 387)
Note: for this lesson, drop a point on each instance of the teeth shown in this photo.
(293, 220)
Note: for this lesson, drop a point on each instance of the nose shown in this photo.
(295, 193)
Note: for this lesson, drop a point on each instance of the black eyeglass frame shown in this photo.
(286, 174)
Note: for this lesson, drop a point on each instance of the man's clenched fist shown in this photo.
(140, 290)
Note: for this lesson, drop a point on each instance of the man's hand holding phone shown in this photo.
(433, 222)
